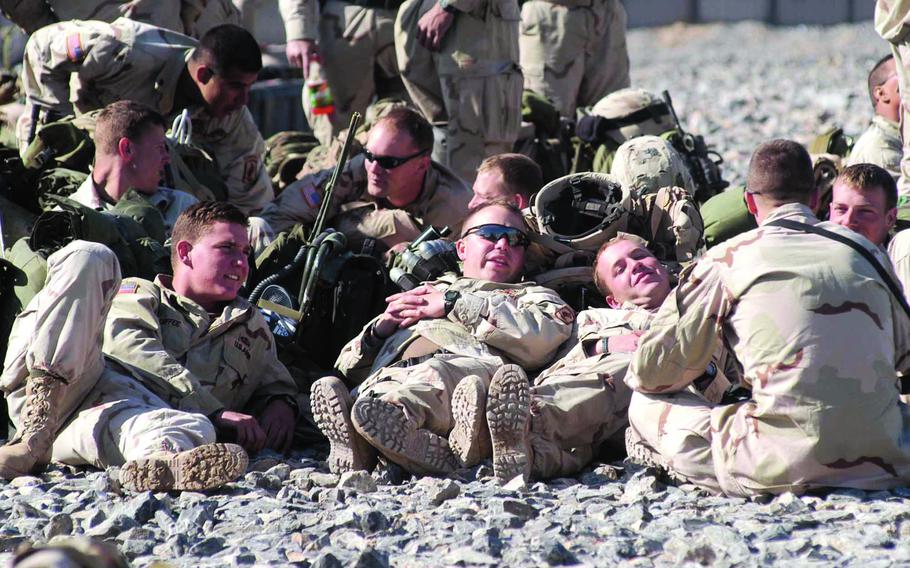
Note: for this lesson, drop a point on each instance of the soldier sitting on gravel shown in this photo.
(579, 403)
(390, 192)
(183, 353)
(408, 360)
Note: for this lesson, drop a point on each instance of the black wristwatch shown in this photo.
(447, 7)
(451, 296)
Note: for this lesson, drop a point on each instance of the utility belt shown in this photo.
(384, 4)
(418, 351)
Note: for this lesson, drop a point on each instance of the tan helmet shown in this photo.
(582, 210)
(647, 163)
(633, 112)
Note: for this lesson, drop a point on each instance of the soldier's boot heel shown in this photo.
(385, 426)
(640, 453)
(31, 451)
(509, 417)
(330, 401)
(470, 435)
(206, 467)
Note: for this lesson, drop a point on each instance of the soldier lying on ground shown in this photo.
(556, 424)
(184, 356)
(880, 144)
(391, 192)
(85, 65)
(408, 360)
(821, 339)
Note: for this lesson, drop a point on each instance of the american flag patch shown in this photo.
(311, 196)
(128, 288)
(74, 51)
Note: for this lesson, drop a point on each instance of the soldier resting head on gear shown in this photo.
(506, 177)
(864, 199)
(408, 361)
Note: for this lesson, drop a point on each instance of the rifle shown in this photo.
(704, 163)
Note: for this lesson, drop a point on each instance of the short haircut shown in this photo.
(598, 282)
(867, 177)
(502, 203)
(123, 119)
(520, 173)
(781, 170)
(878, 76)
(227, 48)
(412, 123)
(197, 218)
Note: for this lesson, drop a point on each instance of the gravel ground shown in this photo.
(736, 84)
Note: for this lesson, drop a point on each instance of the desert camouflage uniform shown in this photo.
(354, 41)
(899, 253)
(647, 163)
(107, 417)
(443, 202)
(472, 85)
(574, 51)
(190, 17)
(491, 324)
(820, 338)
(881, 145)
(892, 22)
(83, 66)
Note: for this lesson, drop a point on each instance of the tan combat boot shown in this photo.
(640, 453)
(206, 467)
(330, 402)
(470, 435)
(30, 451)
(509, 417)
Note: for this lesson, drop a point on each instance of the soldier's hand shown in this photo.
(433, 26)
(246, 429)
(423, 302)
(278, 420)
(626, 343)
(300, 52)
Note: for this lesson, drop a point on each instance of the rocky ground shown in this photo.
(738, 85)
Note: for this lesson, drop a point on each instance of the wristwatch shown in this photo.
(447, 7)
(450, 297)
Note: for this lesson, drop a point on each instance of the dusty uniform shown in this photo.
(443, 202)
(892, 22)
(491, 324)
(191, 17)
(899, 253)
(819, 337)
(881, 145)
(472, 85)
(107, 417)
(82, 66)
(356, 41)
(574, 51)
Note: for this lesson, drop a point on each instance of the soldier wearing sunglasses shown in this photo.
(390, 192)
(407, 362)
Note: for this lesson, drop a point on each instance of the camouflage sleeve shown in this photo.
(684, 334)
(301, 19)
(528, 328)
(892, 20)
(300, 201)
(238, 149)
(356, 358)
(132, 337)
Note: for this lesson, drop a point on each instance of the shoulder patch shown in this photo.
(511, 292)
(565, 314)
(128, 288)
(311, 196)
(74, 51)
(250, 168)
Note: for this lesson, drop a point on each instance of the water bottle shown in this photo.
(317, 89)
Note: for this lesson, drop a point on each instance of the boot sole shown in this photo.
(385, 426)
(331, 404)
(470, 436)
(206, 467)
(639, 453)
(508, 415)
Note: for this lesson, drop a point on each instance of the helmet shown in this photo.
(633, 112)
(582, 210)
(647, 163)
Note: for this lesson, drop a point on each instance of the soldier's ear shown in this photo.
(459, 248)
(203, 74)
(125, 148)
(183, 252)
(612, 302)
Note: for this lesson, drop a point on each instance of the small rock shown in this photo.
(517, 484)
(282, 471)
(111, 527)
(469, 557)
(359, 481)
(9, 543)
(59, 524)
(331, 495)
(207, 546)
(24, 481)
(133, 548)
(388, 473)
(371, 558)
(443, 491)
(518, 508)
(23, 510)
(327, 560)
(558, 555)
(373, 521)
(324, 479)
(142, 507)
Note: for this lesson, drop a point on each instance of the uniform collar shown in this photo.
(796, 211)
(196, 313)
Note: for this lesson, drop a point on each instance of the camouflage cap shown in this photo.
(647, 163)
(625, 102)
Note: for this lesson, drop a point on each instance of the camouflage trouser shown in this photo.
(479, 106)
(902, 61)
(106, 417)
(574, 409)
(424, 390)
(354, 43)
(899, 253)
(574, 52)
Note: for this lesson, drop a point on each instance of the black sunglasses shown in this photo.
(390, 162)
(493, 232)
